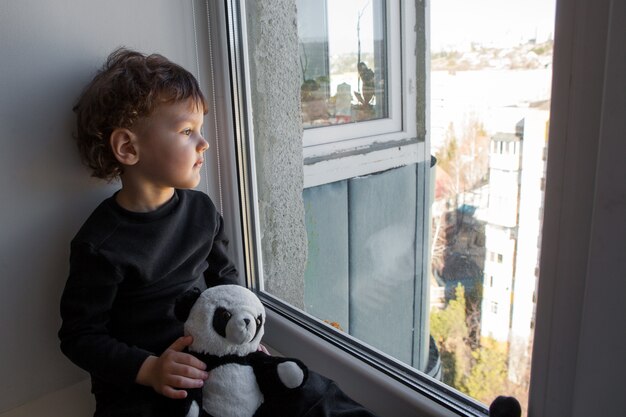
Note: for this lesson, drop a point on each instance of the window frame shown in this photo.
(582, 43)
(317, 137)
(376, 145)
(289, 328)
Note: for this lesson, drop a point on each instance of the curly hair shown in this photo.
(129, 86)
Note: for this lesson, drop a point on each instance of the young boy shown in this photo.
(140, 120)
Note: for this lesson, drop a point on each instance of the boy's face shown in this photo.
(170, 146)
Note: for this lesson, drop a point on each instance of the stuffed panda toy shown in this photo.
(227, 324)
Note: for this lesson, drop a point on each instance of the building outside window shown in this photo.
(403, 166)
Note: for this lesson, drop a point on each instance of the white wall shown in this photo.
(48, 51)
(73, 401)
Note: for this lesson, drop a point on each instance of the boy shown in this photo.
(140, 120)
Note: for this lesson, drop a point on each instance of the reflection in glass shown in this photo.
(343, 61)
(438, 275)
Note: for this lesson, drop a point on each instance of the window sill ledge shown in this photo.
(377, 391)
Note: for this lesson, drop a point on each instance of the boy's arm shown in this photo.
(221, 268)
(85, 310)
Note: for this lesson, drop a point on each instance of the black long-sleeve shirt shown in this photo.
(126, 270)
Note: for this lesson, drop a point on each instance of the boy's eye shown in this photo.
(187, 132)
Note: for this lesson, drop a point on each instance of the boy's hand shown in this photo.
(173, 371)
(263, 349)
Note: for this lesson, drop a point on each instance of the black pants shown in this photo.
(319, 397)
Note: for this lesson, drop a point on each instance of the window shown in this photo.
(357, 93)
(359, 200)
(365, 218)
(343, 59)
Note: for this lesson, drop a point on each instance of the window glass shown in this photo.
(342, 57)
(490, 101)
(432, 261)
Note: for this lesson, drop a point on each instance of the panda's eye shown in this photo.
(259, 320)
(220, 320)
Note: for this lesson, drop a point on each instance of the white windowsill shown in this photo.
(359, 162)
(379, 392)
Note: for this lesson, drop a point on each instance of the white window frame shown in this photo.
(584, 140)
(285, 323)
(317, 136)
(334, 153)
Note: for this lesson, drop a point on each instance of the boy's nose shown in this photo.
(203, 145)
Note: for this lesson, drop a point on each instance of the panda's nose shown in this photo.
(247, 321)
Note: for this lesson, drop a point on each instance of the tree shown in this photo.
(482, 372)
(447, 157)
(488, 376)
(449, 329)
(448, 326)
(466, 158)
(474, 148)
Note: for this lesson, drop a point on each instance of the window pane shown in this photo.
(343, 61)
(432, 261)
(490, 101)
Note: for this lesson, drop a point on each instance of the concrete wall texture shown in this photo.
(275, 83)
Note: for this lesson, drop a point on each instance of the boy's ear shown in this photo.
(123, 146)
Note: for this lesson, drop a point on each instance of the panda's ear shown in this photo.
(184, 302)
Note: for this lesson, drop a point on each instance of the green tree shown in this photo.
(448, 326)
(481, 372)
(488, 376)
(449, 329)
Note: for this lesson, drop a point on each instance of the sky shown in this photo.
(343, 18)
(454, 24)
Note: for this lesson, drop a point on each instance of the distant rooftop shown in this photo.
(506, 137)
